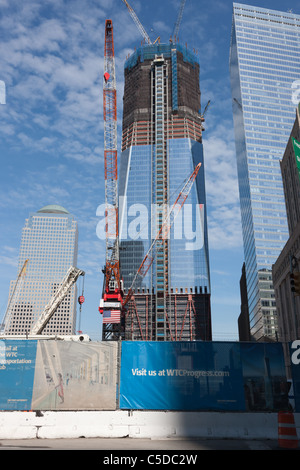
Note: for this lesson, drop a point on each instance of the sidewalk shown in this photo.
(128, 444)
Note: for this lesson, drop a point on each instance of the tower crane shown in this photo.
(205, 109)
(202, 114)
(112, 285)
(178, 21)
(163, 232)
(138, 23)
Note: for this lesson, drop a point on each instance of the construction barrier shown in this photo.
(199, 375)
(58, 375)
(64, 375)
(287, 433)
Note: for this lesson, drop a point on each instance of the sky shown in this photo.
(51, 129)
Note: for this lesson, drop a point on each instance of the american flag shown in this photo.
(111, 316)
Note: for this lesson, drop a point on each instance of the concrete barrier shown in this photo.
(138, 424)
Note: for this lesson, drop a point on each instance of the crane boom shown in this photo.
(179, 18)
(70, 278)
(14, 296)
(138, 23)
(164, 230)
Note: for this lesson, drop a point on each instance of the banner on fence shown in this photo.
(194, 375)
(202, 376)
(294, 349)
(57, 375)
(17, 367)
(264, 376)
(181, 376)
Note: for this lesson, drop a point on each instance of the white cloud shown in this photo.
(224, 220)
(53, 71)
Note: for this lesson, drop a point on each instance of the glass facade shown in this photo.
(188, 238)
(161, 146)
(49, 243)
(264, 67)
(189, 262)
(135, 212)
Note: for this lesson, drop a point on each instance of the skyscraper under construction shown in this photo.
(161, 146)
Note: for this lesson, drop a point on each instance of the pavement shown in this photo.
(140, 445)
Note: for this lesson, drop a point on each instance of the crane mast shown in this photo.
(110, 159)
(112, 292)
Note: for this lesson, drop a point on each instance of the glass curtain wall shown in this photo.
(264, 68)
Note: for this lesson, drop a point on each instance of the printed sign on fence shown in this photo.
(17, 368)
(203, 376)
(181, 376)
(57, 375)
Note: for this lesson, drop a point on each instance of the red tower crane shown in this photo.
(113, 305)
(163, 232)
(111, 302)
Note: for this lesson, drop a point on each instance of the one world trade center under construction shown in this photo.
(161, 146)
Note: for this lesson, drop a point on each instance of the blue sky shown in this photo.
(51, 128)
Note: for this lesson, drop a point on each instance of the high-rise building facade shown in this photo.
(288, 262)
(161, 146)
(48, 249)
(264, 70)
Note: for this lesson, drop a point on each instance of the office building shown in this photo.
(161, 145)
(243, 320)
(288, 304)
(264, 68)
(48, 249)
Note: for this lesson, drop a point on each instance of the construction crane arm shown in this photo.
(14, 296)
(137, 22)
(70, 278)
(205, 109)
(179, 18)
(164, 230)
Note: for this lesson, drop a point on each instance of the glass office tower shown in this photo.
(264, 69)
(48, 249)
(161, 145)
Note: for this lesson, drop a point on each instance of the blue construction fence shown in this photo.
(138, 375)
(203, 376)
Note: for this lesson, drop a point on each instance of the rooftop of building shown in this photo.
(53, 209)
(149, 51)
